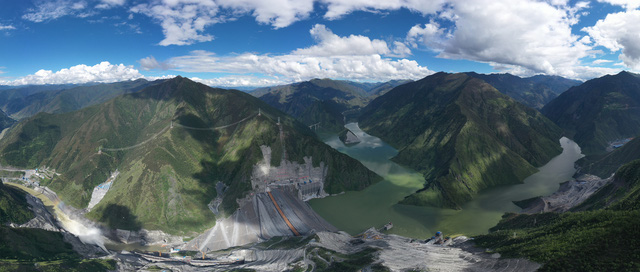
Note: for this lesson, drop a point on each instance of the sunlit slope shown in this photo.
(462, 134)
(171, 143)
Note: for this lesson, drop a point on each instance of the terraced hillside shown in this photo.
(171, 144)
(462, 134)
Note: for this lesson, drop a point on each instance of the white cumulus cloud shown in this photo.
(619, 32)
(330, 44)
(532, 36)
(183, 21)
(300, 67)
(430, 35)
(279, 13)
(150, 63)
(102, 72)
(352, 57)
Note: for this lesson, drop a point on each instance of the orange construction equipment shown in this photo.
(286, 220)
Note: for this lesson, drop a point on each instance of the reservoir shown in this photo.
(377, 205)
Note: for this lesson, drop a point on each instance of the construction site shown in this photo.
(101, 190)
(275, 207)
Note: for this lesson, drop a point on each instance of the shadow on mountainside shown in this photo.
(120, 217)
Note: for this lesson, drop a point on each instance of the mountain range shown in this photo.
(598, 112)
(325, 102)
(27, 101)
(462, 134)
(176, 146)
(535, 91)
(171, 143)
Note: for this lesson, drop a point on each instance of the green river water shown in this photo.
(376, 205)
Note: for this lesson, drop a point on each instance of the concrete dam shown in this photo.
(275, 207)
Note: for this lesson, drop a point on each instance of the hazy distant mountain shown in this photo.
(168, 173)
(323, 101)
(67, 99)
(599, 111)
(462, 134)
(19, 93)
(534, 91)
(603, 238)
(379, 89)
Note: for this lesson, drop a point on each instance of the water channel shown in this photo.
(376, 205)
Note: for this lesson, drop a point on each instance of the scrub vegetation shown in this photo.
(604, 237)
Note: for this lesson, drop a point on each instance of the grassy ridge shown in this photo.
(167, 182)
(462, 135)
(597, 240)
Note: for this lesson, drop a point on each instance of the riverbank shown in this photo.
(570, 194)
(378, 204)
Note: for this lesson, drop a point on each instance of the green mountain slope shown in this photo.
(534, 91)
(316, 101)
(462, 134)
(13, 206)
(15, 96)
(599, 111)
(605, 238)
(70, 99)
(324, 101)
(168, 173)
(21, 248)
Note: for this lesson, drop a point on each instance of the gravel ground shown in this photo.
(569, 195)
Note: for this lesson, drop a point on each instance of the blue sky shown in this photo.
(268, 42)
